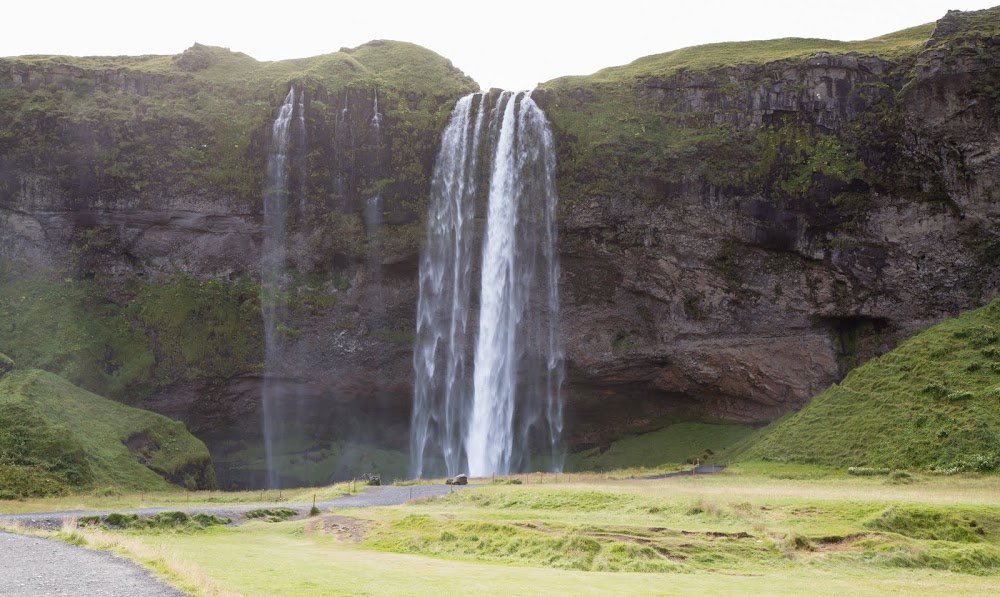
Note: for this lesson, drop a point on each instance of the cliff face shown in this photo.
(131, 228)
(757, 230)
(740, 224)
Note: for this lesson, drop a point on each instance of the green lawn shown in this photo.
(744, 531)
(674, 444)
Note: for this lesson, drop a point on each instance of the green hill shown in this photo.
(56, 437)
(932, 403)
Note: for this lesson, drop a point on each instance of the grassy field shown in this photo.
(674, 444)
(773, 529)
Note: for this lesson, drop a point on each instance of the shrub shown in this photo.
(121, 521)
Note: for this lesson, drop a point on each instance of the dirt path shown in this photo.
(34, 566)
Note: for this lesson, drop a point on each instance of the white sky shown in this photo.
(513, 45)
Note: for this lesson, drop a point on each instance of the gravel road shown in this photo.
(34, 566)
(390, 495)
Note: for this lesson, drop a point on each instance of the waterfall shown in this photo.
(372, 217)
(441, 388)
(272, 276)
(376, 123)
(506, 409)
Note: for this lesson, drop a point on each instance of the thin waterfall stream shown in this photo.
(273, 274)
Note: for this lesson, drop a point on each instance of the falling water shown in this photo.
(376, 123)
(509, 409)
(441, 386)
(272, 276)
(372, 217)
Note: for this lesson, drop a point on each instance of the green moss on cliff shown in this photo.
(136, 340)
(686, 118)
(932, 403)
(55, 437)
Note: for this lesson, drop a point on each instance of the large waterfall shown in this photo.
(503, 413)
(272, 274)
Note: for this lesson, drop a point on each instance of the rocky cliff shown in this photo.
(740, 223)
(131, 228)
(738, 231)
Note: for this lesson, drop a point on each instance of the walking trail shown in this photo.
(32, 566)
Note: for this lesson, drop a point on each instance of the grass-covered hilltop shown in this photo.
(741, 225)
(140, 127)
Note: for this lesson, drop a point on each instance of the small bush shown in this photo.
(506, 481)
(795, 541)
(702, 506)
(957, 396)
(87, 521)
(208, 520)
(121, 521)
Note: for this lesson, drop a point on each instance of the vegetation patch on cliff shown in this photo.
(56, 438)
(780, 118)
(119, 341)
(933, 404)
(112, 127)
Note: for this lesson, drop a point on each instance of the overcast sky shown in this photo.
(512, 44)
